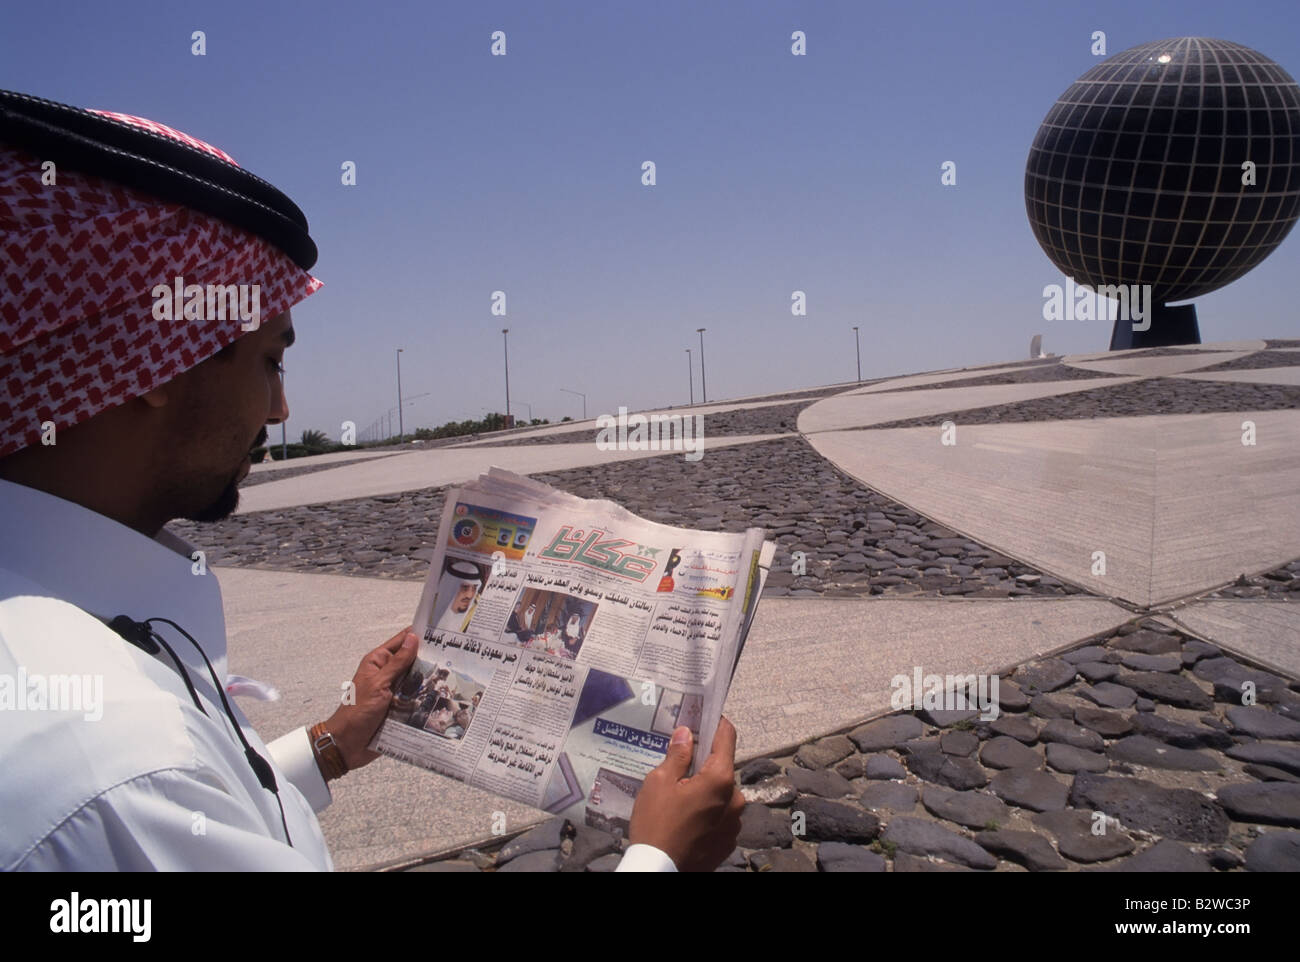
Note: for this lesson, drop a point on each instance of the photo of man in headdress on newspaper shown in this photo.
(458, 593)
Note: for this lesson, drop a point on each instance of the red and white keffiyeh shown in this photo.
(79, 260)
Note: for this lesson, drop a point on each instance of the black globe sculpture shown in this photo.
(1136, 175)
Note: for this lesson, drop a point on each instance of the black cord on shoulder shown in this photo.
(142, 635)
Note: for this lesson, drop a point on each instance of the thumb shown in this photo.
(401, 660)
(680, 751)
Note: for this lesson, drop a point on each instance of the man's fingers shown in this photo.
(737, 804)
(396, 661)
(394, 644)
(720, 766)
(393, 657)
(723, 755)
(724, 740)
(378, 657)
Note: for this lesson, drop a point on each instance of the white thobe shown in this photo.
(151, 783)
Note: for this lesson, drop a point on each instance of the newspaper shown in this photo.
(563, 640)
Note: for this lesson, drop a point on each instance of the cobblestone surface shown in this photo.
(1029, 375)
(1256, 361)
(1280, 584)
(855, 541)
(1160, 352)
(774, 419)
(1163, 759)
(1159, 395)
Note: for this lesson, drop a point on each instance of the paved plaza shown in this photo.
(1116, 535)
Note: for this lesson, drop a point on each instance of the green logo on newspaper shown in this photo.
(579, 547)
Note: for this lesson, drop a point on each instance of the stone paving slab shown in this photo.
(1267, 632)
(442, 466)
(1155, 366)
(496, 437)
(333, 458)
(914, 380)
(294, 469)
(780, 417)
(1178, 505)
(1268, 375)
(1104, 355)
(808, 392)
(1035, 374)
(1253, 344)
(590, 423)
(1221, 508)
(860, 410)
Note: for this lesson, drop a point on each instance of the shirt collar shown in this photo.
(106, 568)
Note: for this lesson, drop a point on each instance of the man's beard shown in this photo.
(226, 503)
(219, 509)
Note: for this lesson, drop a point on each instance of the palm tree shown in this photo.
(313, 439)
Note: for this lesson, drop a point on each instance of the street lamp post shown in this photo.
(284, 436)
(400, 430)
(704, 387)
(690, 374)
(530, 410)
(581, 395)
(857, 347)
(505, 344)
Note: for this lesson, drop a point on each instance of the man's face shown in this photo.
(464, 598)
(222, 408)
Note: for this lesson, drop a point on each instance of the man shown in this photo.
(117, 416)
(573, 635)
(521, 628)
(461, 582)
(466, 714)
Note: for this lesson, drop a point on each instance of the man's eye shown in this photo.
(279, 367)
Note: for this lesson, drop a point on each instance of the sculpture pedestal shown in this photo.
(1169, 326)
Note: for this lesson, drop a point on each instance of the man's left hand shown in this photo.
(372, 686)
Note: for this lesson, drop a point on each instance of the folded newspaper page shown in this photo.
(562, 641)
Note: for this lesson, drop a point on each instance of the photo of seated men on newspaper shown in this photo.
(550, 621)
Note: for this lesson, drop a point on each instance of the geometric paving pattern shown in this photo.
(1177, 504)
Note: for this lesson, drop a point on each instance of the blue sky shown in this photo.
(523, 174)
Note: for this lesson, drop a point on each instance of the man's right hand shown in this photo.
(694, 821)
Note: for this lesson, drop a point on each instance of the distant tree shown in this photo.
(314, 440)
(565, 418)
